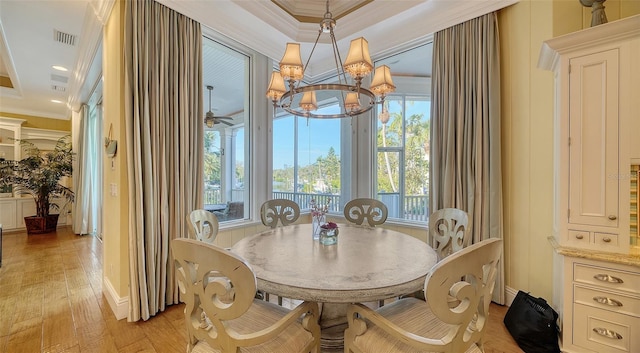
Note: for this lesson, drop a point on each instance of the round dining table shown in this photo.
(365, 265)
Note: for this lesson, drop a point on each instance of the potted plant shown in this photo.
(38, 174)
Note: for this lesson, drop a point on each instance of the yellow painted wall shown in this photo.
(115, 208)
(527, 131)
(40, 122)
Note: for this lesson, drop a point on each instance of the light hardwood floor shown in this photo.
(51, 301)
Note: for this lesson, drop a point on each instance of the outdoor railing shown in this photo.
(212, 196)
(415, 207)
(304, 199)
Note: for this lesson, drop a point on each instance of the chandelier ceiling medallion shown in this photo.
(301, 100)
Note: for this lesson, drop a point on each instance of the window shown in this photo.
(226, 151)
(402, 142)
(307, 161)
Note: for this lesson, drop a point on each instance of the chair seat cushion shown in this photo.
(412, 315)
(260, 316)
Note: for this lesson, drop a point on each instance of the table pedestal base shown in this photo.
(333, 322)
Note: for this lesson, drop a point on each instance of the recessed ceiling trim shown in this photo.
(88, 68)
(5, 81)
(39, 113)
(15, 91)
(337, 11)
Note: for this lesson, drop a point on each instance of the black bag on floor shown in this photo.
(532, 324)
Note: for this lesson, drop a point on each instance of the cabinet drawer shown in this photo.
(606, 240)
(607, 278)
(607, 301)
(579, 237)
(604, 331)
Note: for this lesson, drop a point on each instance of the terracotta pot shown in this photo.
(40, 225)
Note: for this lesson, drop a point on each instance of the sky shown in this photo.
(315, 137)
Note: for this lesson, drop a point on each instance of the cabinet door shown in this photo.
(8, 214)
(26, 208)
(593, 139)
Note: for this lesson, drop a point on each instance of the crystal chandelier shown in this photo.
(301, 100)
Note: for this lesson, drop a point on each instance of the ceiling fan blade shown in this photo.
(226, 122)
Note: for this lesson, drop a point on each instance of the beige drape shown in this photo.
(465, 168)
(164, 130)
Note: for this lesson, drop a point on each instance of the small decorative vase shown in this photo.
(316, 222)
(328, 236)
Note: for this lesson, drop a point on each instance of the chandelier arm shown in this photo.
(338, 59)
(341, 73)
(312, 50)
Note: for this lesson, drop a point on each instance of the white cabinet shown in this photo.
(8, 217)
(14, 209)
(593, 140)
(603, 300)
(597, 81)
(596, 145)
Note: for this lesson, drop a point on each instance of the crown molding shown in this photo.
(622, 29)
(37, 113)
(87, 63)
(388, 26)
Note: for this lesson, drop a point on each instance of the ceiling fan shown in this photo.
(210, 120)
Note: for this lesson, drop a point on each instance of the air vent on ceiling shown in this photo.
(64, 38)
(58, 88)
(59, 78)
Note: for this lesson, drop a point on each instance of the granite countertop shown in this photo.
(623, 259)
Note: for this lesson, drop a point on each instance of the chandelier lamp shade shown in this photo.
(301, 100)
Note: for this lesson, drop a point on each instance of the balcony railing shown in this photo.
(212, 196)
(414, 207)
(304, 199)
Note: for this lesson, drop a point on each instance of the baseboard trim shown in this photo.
(119, 305)
(511, 295)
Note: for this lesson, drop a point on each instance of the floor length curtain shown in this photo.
(465, 128)
(164, 132)
(88, 177)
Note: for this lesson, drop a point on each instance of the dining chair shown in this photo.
(216, 282)
(412, 325)
(276, 211)
(374, 211)
(281, 211)
(203, 225)
(449, 231)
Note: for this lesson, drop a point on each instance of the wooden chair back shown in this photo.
(411, 324)
(477, 266)
(279, 210)
(221, 315)
(449, 231)
(203, 225)
(374, 211)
